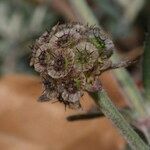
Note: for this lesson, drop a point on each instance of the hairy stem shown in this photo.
(111, 112)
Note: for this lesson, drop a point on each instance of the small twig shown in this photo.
(85, 116)
(124, 63)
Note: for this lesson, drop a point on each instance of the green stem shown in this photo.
(146, 63)
(111, 112)
(86, 15)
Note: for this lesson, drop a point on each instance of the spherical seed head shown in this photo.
(69, 59)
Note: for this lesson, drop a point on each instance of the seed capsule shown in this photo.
(39, 58)
(59, 62)
(50, 90)
(85, 56)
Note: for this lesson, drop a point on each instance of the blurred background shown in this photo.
(21, 118)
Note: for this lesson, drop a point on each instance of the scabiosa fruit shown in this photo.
(59, 62)
(69, 59)
(50, 90)
(73, 89)
(85, 56)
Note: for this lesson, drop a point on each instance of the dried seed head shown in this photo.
(50, 90)
(59, 62)
(85, 56)
(67, 35)
(72, 89)
(39, 58)
(101, 40)
(72, 98)
(64, 39)
(69, 60)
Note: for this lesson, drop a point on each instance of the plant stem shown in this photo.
(146, 63)
(134, 96)
(111, 112)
